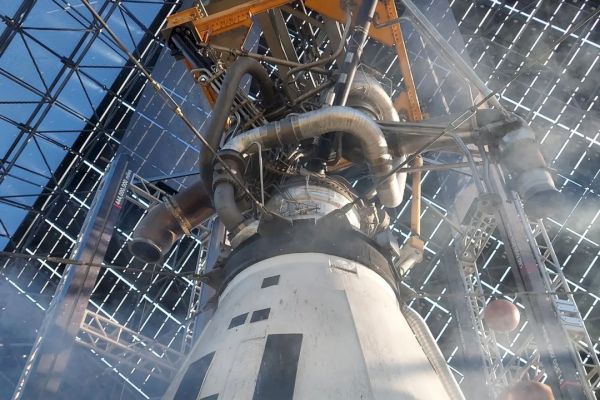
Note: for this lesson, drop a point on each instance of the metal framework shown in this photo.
(125, 346)
(479, 224)
(146, 308)
(51, 351)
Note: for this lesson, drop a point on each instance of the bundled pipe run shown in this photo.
(241, 67)
(326, 120)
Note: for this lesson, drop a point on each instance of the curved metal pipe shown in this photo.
(368, 95)
(226, 207)
(166, 222)
(326, 120)
(222, 108)
(432, 351)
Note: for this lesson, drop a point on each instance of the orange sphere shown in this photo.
(527, 390)
(501, 315)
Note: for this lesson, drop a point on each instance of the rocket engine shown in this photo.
(307, 302)
(307, 297)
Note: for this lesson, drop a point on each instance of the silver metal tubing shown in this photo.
(367, 94)
(261, 173)
(441, 167)
(431, 349)
(326, 120)
(407, 137)
(226, 207)
(222, 108)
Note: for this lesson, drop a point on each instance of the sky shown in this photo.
(32, 66)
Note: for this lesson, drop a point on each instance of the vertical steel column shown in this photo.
(470, 358)
(49, 357)
(558, 358)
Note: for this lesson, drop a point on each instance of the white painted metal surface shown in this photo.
(355, 342)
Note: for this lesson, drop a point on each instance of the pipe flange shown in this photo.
(146, 250)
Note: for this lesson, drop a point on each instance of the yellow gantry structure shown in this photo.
(238, 16)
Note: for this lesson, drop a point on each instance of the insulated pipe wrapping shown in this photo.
(368, 95)
(222, 108)
(522, 157)
(432, 351)
(320, 122)
(166, 222)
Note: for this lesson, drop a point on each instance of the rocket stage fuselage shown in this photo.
(307, 326)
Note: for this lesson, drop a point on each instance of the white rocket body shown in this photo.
(307, 326)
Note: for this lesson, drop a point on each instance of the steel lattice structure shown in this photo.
(50, 180)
